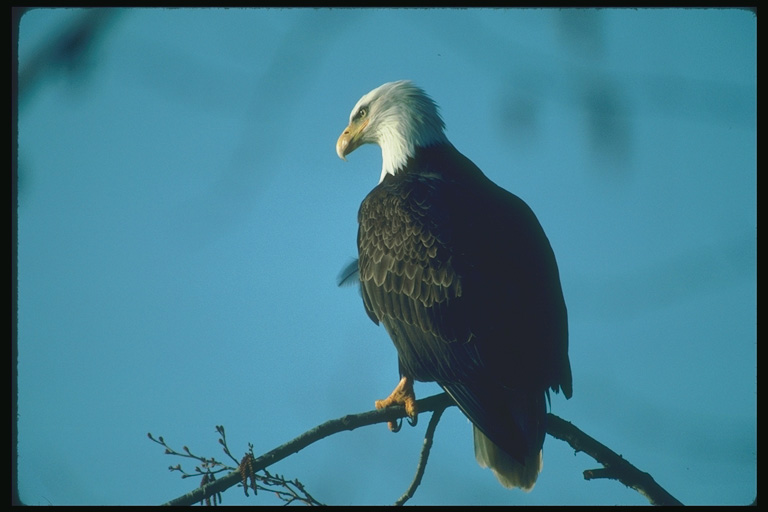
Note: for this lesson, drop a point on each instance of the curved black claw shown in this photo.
(395, 426)
(413, 420)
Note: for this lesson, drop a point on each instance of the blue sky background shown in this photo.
(182, 218)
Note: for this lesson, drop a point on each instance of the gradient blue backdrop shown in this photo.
(182, 218)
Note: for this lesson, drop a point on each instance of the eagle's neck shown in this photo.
(400, 139)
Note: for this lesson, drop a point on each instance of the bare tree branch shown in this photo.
(345, 423)
(614, 466)
(428, 437)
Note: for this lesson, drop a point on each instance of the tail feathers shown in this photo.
(509, 471)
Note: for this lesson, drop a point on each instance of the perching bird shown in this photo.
(464, 280)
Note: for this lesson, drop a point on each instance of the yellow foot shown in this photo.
(402, 395)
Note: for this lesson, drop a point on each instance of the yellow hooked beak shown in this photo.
(351, 138)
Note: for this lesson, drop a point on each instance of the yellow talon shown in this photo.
(402, 395)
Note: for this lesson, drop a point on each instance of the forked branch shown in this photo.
(614, 466)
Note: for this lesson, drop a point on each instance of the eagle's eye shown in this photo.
(361, 113)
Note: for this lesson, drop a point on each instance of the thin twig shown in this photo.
(428, 439)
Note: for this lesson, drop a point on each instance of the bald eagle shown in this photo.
(464, 280)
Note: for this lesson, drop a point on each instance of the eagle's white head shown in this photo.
(399, 117)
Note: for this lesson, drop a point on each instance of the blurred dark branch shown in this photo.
(614, 466)
(69, 50)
